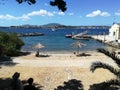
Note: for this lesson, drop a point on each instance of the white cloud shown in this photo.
(61, 13)
(24, 17)
(117, 13)
(105, 14)
(2, 17)
(31, 14)
(98, 13)
(8, 17)
(40, 13)
(94, 13)
(71, 14)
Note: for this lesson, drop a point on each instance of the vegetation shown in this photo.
(116, 71)
(59, 3)
(10, 44)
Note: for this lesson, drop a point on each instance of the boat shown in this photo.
(84, 37)
(30, 34)
(68, 35)
(53, 29)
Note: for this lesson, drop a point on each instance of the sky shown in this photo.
(79, 13)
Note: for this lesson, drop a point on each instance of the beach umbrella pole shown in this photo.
(78, 50)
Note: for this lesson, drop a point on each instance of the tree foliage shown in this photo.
(11, 43)
(61, 4)
(28, 1)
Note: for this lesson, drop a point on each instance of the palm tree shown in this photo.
(112, 69)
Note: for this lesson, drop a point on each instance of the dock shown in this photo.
(30, 34)
(101, 38)
(105, 39)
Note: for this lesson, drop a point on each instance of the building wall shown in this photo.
(114, 32)
(119, 33)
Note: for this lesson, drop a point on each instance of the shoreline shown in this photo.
(59, 52)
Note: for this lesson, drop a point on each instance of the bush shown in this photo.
(11, 43)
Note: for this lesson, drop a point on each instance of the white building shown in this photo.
(114, 32)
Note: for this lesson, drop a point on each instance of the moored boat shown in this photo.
(68, 35)
(53, 29)
(84, 37)
(30, 34)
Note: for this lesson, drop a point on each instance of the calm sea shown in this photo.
(55, 41)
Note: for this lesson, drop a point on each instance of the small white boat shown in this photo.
(53, 29)
(68, 35)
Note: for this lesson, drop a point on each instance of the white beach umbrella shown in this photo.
(37, 46)
(78, 45)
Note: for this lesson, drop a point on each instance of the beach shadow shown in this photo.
(5, 84)
(24, 53)
(107, 85)
(83, 55)
(6, 61)
(72, 84)
(42, 55)
(38, 86)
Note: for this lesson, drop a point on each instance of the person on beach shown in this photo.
(30, 86)
(37, 54)
(16, 82)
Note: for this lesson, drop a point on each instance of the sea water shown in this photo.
(55, 41)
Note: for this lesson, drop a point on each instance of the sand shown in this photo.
(52, 71)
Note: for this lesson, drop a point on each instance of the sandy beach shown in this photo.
(52, 71)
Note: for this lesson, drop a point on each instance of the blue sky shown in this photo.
(79, 12)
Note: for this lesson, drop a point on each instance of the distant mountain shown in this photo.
(59, 26)
(53, 24)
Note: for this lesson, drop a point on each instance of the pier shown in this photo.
(101, 38)
(30, 34)
(105, 39)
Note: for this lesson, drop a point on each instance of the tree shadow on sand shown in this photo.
(72, 84)
(24, 53)
(113, 84)
(107, 85)
(5, 84)
(6, 61)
